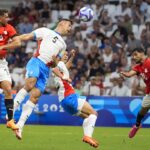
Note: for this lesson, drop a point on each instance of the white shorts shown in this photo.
(4, 71)
(146, 101)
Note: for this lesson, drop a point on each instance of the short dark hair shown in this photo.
(65, 19)
(3, 12)
(138, 49)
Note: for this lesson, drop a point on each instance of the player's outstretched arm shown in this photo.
(128, 74)
(16, 41)
(14, 44)
(57, 72)
(69, 62)
(27, 37)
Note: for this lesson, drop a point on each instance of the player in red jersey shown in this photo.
(143, 69)
(7, 32)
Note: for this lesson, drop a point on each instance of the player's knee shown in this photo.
(95, 113)
(35, 94)
(34, 98)
(29, 86)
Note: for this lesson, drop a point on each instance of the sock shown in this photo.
(89, 124)
(26, 112)
(139, 119)
(9, 108)
(19, 98)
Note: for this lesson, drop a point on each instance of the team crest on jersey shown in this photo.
(145, 70)
(5, 32)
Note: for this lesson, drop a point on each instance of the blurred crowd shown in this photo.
(102, 45)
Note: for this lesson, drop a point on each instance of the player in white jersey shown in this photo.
(72, 103)
(38, 67)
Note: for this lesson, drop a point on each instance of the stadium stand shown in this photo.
(103, 44)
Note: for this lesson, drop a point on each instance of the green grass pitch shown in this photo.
(37, 137)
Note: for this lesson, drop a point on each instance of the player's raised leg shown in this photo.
(27, 110)
(35, 83)
(138, 125)
(89, 123)
(29, 84)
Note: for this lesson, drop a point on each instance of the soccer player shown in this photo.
(7, 32)
(71, 102)
(143, 69)
(37, 69)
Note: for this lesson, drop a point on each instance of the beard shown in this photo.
(138, 61)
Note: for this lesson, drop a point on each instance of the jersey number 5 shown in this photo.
(55, 39)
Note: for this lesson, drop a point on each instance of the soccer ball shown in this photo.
(86, 14)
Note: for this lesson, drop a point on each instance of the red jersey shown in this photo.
(143, 70)
(6, 32)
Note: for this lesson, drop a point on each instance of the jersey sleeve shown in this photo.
(40, 33)
(12, 31)
(136, 68)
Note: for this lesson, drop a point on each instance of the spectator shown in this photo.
(98, 7)
(102, 45)
(124, 64)
(78, 40)
(33, 14)
(105, 43)
(79, 55)
(81, 67)
(112, 83)
(91, 88)
(100, 82)
(94, 54)
(127, 23)
(138, 87)
(83, 80)
(26, 3)
(143, 5)
(78, 88)
(137, 14)
(105, 21)
(39, 4)
(120, 89)
(115, 62)
(85, 49)
(96, 68)
(113, 42)
(121, 33)
(24, 26)
(45, 13)
(94, 41)
(107, 55)
(133, 42)
(123, 10)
